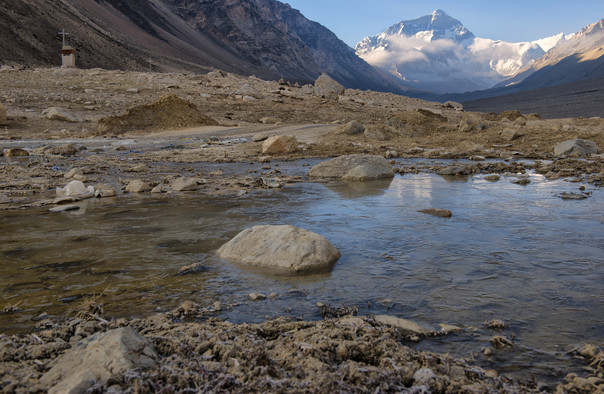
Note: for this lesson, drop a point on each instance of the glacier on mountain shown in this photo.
(437, 53)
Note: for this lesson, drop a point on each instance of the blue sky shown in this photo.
(508, 20)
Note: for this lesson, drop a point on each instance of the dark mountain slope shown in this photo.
(260, 37)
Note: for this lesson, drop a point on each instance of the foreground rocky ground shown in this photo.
(119, 132)
(169, 353)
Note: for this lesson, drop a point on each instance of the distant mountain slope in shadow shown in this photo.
(265, 38)
(584, 98)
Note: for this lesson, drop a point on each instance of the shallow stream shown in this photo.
(516, 253)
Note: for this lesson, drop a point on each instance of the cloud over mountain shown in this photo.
(437, 53)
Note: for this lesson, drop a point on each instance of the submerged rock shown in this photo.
(453, 170)
(403, 324)
(353, 168)
(443, 213)
(284, 248)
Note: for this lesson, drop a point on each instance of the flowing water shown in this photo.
(517, 253)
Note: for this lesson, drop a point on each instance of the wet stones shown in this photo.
(280, 144)
(406, 325)
(353, 168)
(138, 186)
(184, 184)
(284, 248)
(575, 148)
(75, 189)
(105, 190)
(453, 170)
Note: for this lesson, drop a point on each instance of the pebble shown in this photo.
(257, 296)
(64, 208)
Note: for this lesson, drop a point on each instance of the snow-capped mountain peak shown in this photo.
(443, 56)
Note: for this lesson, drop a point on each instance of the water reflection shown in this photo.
(515, 253)
(354, 190)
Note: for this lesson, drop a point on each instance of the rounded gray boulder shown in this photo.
(353, 168)
(282, 249)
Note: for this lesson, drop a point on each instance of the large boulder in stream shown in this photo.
(283, 249)
(353, 168)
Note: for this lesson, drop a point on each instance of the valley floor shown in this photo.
(154, 142)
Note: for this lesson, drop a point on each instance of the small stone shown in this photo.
(63, 150)
(495, 324)
(138, 186)
(500, 342)
(280, 144)
(449, 329)
(522, 181)
(572, 196)
(217, 306)
(15, 152)
(184, 184)
(104, 190)
(3, 118)
(64, 208)
(455, 105)
(520, 121)
(192, 269)
(453, 170)
(60, 114)
(351, 128)
(576, 148)
(270, 120)
(132, 90)
(443, 213)
(73, 172)
(492, 178)
(260, 137)
(257, 296)
(511, 134)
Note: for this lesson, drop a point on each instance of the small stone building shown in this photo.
(68, 55)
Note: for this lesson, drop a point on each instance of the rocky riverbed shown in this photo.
(172, 352)
(68, 134)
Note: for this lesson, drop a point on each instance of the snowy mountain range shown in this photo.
(436, 53)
